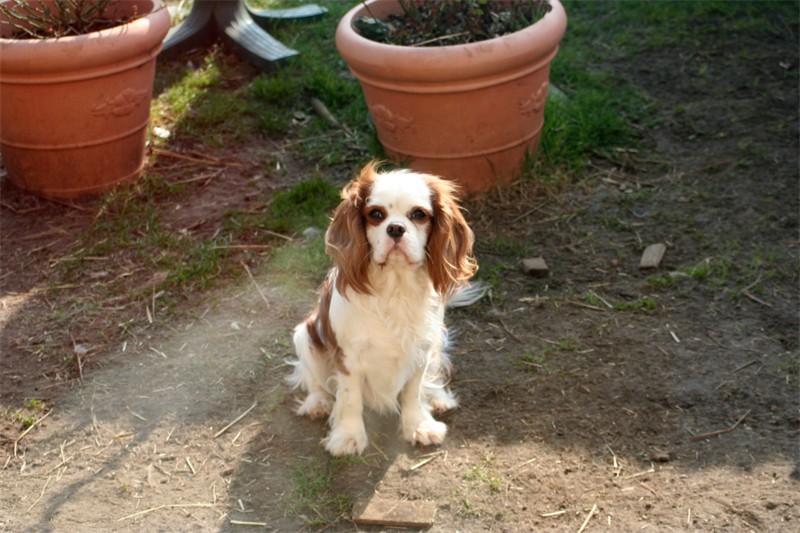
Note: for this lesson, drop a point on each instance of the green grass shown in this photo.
(642, 304)
(308, 204)
(313, 496)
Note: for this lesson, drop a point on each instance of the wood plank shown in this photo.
(535, 266)
(394, 513)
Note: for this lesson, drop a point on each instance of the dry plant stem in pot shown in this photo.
(74, 110)
(467, 112)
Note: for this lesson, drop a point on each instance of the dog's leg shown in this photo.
(434, 385)
(311, 373)
(347, 435)
(440, 398)
(419, 427)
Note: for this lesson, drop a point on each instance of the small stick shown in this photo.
(386, 457)
(602, 299)
(169, 506)
(614, 457)
(587, 306)
(279, 235)
(554, 513)
(41, 494)
(243, 523)
(704, 436)
(589, 517)
(650, 489)
(137, 415)
(191, 466)
(162, 354)
(206, 177)
(59, 465)
(527, 213)
(510, 332)
(643, 473)
(242, 247)
(260, 292)
(745, 365)
(204, 160)
(422, 463)
(323, 111)
(755, 298)
(29, 429)
(442, 38)
(238, 418)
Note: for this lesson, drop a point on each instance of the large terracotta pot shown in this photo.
(74, 110)
(466, 112)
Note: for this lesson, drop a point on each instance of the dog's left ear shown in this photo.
(450, 260)
(346, 238)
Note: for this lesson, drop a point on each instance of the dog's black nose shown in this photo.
(395, 231)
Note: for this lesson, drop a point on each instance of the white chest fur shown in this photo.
(388, 334)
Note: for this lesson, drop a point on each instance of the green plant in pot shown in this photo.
(465, 100)
(76, 80)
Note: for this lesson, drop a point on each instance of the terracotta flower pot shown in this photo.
(466, 112)
(74, 110)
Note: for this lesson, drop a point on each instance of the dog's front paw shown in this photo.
(427, 432)
(343, 441)
(316, 405)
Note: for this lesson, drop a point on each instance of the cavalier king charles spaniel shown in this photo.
(402, 252)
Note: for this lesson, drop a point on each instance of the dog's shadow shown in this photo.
(291, 482)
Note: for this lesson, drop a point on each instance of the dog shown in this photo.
(402, 252)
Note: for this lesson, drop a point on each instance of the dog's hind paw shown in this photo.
(316, 405)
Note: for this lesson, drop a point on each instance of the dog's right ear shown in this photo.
(346, 238)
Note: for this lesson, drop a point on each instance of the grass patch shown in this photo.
(31, 410)
(537, 361)
(308, 204)
(642, 304)
(313, 496)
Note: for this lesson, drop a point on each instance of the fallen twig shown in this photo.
(169, 506)
(510, 332)
(41, 494)
(201, 160)
(745, 365)
(238, 418)
(260, 292)
(710, 434)
(422, 463)
(29, 429)
(755, 298)
(589, 517)
(323, 111)
(586, 306)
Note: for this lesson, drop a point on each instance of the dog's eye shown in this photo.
(375, 214)
(418, 215)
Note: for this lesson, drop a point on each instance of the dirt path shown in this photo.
(600, 398)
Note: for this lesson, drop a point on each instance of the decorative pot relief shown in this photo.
(535, 103)
(388, 120)
(122, 104)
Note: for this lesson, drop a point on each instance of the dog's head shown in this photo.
(401, 219)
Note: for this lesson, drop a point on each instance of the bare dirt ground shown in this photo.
(600, 398)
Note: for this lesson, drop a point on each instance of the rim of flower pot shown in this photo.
(65, 54)
(451, 62)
